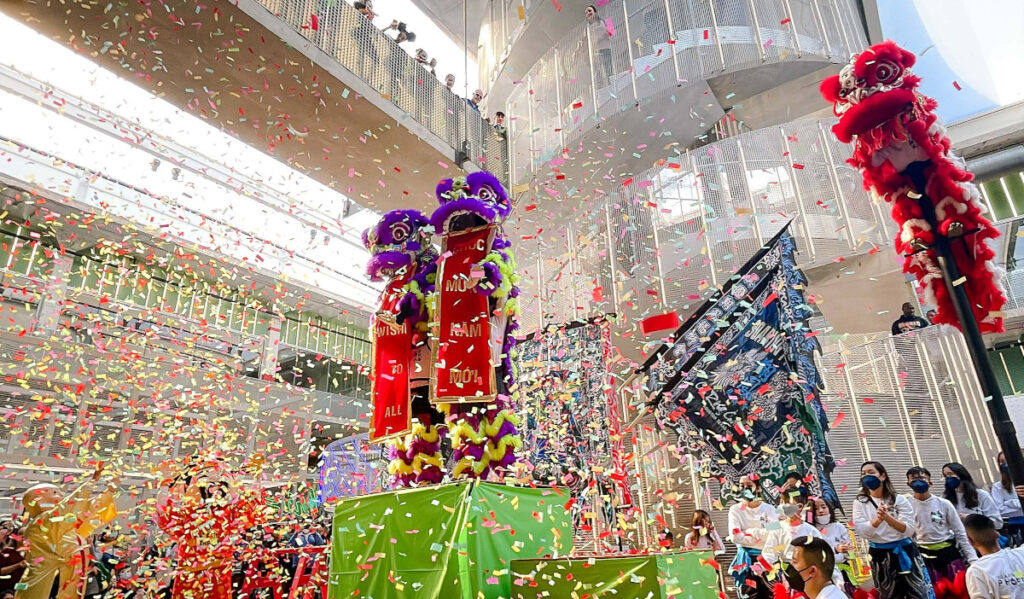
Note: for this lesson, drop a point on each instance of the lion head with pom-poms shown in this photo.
(395, 242)
(874, 88)
(476, 200)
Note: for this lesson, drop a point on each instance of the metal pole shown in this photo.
(757, 32)
(672, 37)
(629, 53)
(1001, 422)
(718, 38)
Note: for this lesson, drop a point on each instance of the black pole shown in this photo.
(1001, 422)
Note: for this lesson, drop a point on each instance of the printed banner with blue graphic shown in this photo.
(739, 385)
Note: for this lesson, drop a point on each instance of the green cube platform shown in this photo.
(452, 541)
(687, 575)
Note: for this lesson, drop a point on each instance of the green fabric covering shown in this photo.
(687, 575)
(664, 576)
(442, 542)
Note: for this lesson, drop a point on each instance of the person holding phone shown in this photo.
(886, 521)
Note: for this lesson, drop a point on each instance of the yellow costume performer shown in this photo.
(57, 554)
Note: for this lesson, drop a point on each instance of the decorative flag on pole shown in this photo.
(738, 383)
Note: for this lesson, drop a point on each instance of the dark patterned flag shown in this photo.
(738, 382)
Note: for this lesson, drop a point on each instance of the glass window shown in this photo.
(261, 324)
(236, 315)
(170, 298)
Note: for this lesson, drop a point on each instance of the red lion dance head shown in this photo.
(898, 143)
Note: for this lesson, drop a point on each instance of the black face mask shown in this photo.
(794, 577)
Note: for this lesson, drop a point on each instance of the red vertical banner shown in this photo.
(392, 362)
(462, 370)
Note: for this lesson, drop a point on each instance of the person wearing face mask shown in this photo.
(939, 532)
(838, 536)
(998, 573)
(813, 569)
(962, 492)
(886, 521)
(777, 543)
(836, 533)
(1007, 498)
(703, 536)
(747, 529)
(777, 546)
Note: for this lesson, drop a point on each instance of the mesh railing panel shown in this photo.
(355, 42)
(709, 37)
(1013, 285)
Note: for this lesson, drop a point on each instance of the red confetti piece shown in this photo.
(314, 22)
(957, 86)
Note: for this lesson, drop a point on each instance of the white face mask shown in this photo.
(822, 520)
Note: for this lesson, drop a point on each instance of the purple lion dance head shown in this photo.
(395, 242)
(477, 200)
(485, 436)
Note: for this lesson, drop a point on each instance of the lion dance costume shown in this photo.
(55, 536)
(898, 143)
(207, 516)
(475, 304)
(401, 255)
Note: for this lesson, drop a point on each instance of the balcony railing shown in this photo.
(354, 41)
(657, 46)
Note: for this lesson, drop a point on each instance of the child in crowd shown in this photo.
(748, 520)
(778, 549)
(999, 573)
(703, 535)
(838, 537)
(938, 531)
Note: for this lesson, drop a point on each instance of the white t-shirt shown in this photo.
(832, 592)
(747, 524)
(836, 534)
(937, 521)
(777, 546)
(864, 512)
(999, 575)
(986, 507)
(1007, 502)
(707, 542)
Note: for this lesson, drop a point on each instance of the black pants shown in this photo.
(1014, 532)
(893, 584)
(944, 563)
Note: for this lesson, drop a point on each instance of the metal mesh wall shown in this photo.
(675, 232)
(906, 400)
(708, 37)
